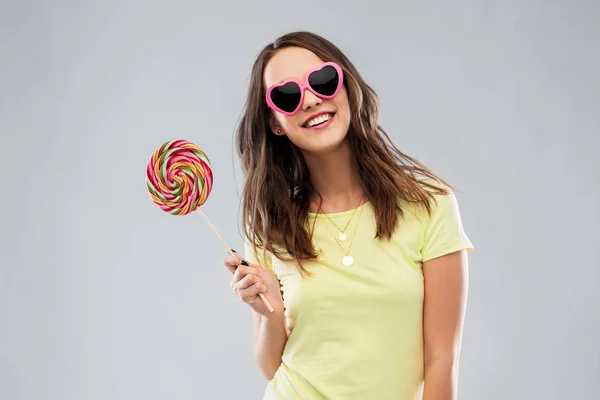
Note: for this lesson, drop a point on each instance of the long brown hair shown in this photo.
(277, 191)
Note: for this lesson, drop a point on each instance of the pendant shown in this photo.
(348, 260)
(342, 236)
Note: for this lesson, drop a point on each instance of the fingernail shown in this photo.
(244, 263)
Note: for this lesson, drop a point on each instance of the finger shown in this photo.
(250, 294)
(232, 261)
(241, 260)
(246, 282)
(230, 264)
(241, 272)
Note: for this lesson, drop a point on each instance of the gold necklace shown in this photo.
(348, 260)
(342, 236)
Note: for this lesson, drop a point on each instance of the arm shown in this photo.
(270, 337)
(444, 309)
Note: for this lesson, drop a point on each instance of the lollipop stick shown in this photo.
(262, 297)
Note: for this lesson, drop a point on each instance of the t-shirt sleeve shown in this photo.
(443, 231)
(258, 257)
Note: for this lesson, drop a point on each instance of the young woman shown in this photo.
(358, 248)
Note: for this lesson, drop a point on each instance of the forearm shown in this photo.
(269, 345)
(441, 381)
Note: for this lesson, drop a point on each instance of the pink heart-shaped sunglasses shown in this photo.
(324, 81)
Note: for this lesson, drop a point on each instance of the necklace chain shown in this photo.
(347, 260)
(342, 236)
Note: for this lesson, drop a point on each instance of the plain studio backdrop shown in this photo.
(105, 296)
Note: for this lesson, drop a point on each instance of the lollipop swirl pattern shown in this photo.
(179, 177)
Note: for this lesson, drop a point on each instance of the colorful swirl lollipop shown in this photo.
(179, 178)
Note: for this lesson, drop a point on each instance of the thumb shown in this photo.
(239, 258)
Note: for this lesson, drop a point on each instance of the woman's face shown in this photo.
(333, 115)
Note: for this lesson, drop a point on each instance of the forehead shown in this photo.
(290, 62)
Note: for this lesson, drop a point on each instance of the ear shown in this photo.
(275, 127)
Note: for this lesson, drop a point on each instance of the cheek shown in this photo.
(343, 107)
(342, 99)
(287, 122)
(341, 102)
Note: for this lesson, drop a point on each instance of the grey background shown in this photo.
(104, 296)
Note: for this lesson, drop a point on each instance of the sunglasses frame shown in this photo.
(305, 85)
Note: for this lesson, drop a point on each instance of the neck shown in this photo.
(336, 178)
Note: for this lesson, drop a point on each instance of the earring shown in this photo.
(279, 131)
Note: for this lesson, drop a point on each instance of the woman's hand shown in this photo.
(249, 280)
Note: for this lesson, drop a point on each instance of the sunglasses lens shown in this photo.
(286, 97)
(324, 81)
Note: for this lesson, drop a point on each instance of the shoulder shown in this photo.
(444, 201)
(256, 254)
(441, 226)
(441, 199)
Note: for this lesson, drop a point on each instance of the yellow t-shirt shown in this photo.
(357, 332)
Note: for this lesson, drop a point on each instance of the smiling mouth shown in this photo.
(318, 121)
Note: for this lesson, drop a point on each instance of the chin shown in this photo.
(326, 141)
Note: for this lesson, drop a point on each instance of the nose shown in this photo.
(310, 100)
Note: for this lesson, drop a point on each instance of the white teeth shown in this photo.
(319, 120)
